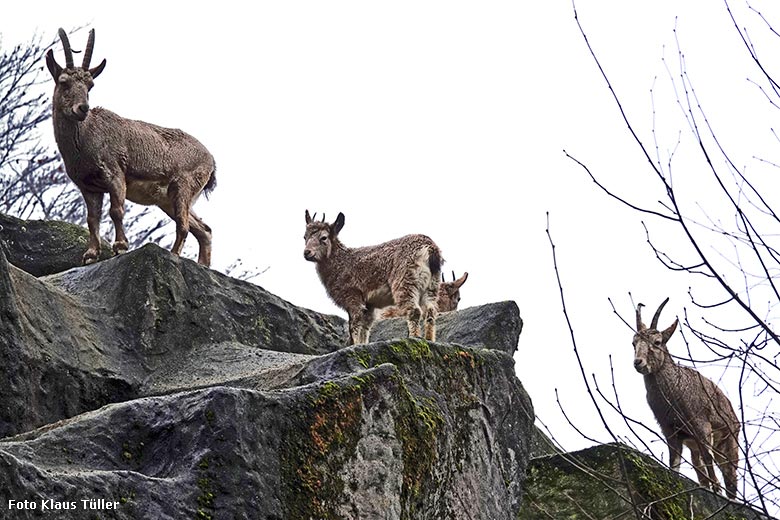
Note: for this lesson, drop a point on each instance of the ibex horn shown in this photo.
(654, 323)
(453, 276)
(66, 48)
(314, 216)
(442, 278)
(323, 217)
(88, 50)
(639, 325)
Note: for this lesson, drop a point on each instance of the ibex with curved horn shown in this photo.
(403, 272)
(145, 163)
(690, 409)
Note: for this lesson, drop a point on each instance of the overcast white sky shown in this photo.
(443, 118)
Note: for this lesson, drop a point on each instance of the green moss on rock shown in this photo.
(614, 481)
(321, 440)
(417, 426)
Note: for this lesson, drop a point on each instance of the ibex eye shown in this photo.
(323, 239)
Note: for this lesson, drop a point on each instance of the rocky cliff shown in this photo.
(147, 386)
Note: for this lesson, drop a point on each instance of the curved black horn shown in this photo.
(453, 276)
(654, 323)
(442, 278)
(639, 325)
(323, 217)
(314, 216)
(88, 50)
(66, 48)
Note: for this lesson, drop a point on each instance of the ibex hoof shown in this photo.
(89, 258)
(119, 248)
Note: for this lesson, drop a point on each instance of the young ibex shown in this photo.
(690, 409)
(403, 272)
(447, 300)
(449, 293)
(145, 163)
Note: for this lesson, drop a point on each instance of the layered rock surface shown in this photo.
(179, 392)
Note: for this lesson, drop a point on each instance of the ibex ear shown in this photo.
(668, 332)
(308, 218)
(95, 71)
(54, 69)
(338, 224)
(460, 281)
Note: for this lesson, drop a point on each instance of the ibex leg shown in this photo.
(430, 311)
(202, 233)
(675, 451)
(698, 464)
(180, 202)
(705, 448)
(406, 295)
(94, 203)
(727, 456)
(360, 320)
(117, 193)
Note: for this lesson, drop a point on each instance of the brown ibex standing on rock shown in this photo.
(690, 409)
(403, 272)
(145, 163)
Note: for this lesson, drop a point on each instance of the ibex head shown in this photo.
(320, 237)
(649, 344)
(449, 292)
(71, 93)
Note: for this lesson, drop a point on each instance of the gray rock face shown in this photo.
(177, 392)
(43, 247)
(493, 326)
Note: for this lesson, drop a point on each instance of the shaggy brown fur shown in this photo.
(447, 300)
(145, 163)
(690, 409)
(404, 272)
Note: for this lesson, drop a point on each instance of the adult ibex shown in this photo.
(690, 409)
(403, 272)
(145, 163)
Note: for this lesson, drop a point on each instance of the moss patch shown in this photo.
(418, 425)
(435, 410)
(132, 452)
(614, 481)
(321, 440)
(557, 488)
(206, 490)
(434, 415)
(262, 330)
(656, 490)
